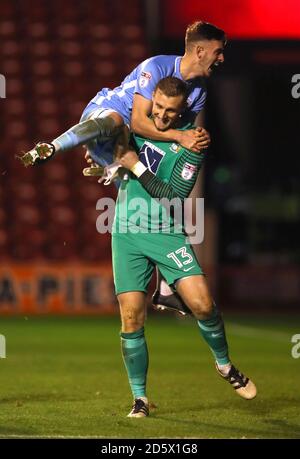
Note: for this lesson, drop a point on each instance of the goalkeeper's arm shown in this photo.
(178, 186)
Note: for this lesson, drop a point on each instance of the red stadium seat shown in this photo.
(10, 48)
(73, 68)
(58, 194)
(42, 68)
(62, 215)
(37, 30)
(68, 31)
(47, 107)
(132, 32)
(41, 49)
(2, 217)
(56, 56)
(27, 215)
(105, 68)
(25, 192)
(100, 31)
(15, 106)
(44, 87)
(4, 244)
(17, 128)
(104, 49)
(28, 243)
(70, 48)
(7, 9)
(14, 86)
(56, 172)
(11, 67)
(38, 10)
(48, 128)
(7, 29)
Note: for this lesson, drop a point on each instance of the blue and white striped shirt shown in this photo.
(142, 80)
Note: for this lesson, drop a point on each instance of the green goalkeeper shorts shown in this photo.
(135, 256)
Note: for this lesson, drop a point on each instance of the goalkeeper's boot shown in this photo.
(171, 302)
(140, 408)
(40, 153)
(242, 385)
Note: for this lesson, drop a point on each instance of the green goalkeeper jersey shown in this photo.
(154, 202)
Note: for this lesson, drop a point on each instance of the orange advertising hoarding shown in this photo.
(57, 289)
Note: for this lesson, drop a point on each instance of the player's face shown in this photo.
(210, 54)
(166, 110)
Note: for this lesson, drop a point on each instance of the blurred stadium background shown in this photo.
(55, 56)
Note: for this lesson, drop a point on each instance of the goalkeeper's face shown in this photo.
(166, 110)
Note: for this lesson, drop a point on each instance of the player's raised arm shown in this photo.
(169, 100)
(192, 139)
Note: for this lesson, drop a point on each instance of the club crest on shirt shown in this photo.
(175, 147)
(188, 171)
(144, 79)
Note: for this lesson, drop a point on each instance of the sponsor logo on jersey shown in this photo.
(150, 155)
(144, 79)
(175, 147)
(188, 171)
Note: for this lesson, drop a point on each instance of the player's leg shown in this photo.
(134, 348)
(100, 159)
(178, 265)
(102, 154)
(99, 123)
(195, 293)
(96, 123)
(101, 148)
(132, 274)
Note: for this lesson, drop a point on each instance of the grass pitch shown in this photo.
(65, 377)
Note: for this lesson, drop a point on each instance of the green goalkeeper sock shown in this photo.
(135, 356)
(213, 332)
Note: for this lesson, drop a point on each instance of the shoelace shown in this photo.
(235, 376)
(139, 405)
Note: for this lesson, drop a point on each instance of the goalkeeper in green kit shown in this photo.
(148, 231)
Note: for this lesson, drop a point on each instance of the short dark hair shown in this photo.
(172, 87)
(203, 31)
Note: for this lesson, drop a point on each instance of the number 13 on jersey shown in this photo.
(181, 257)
